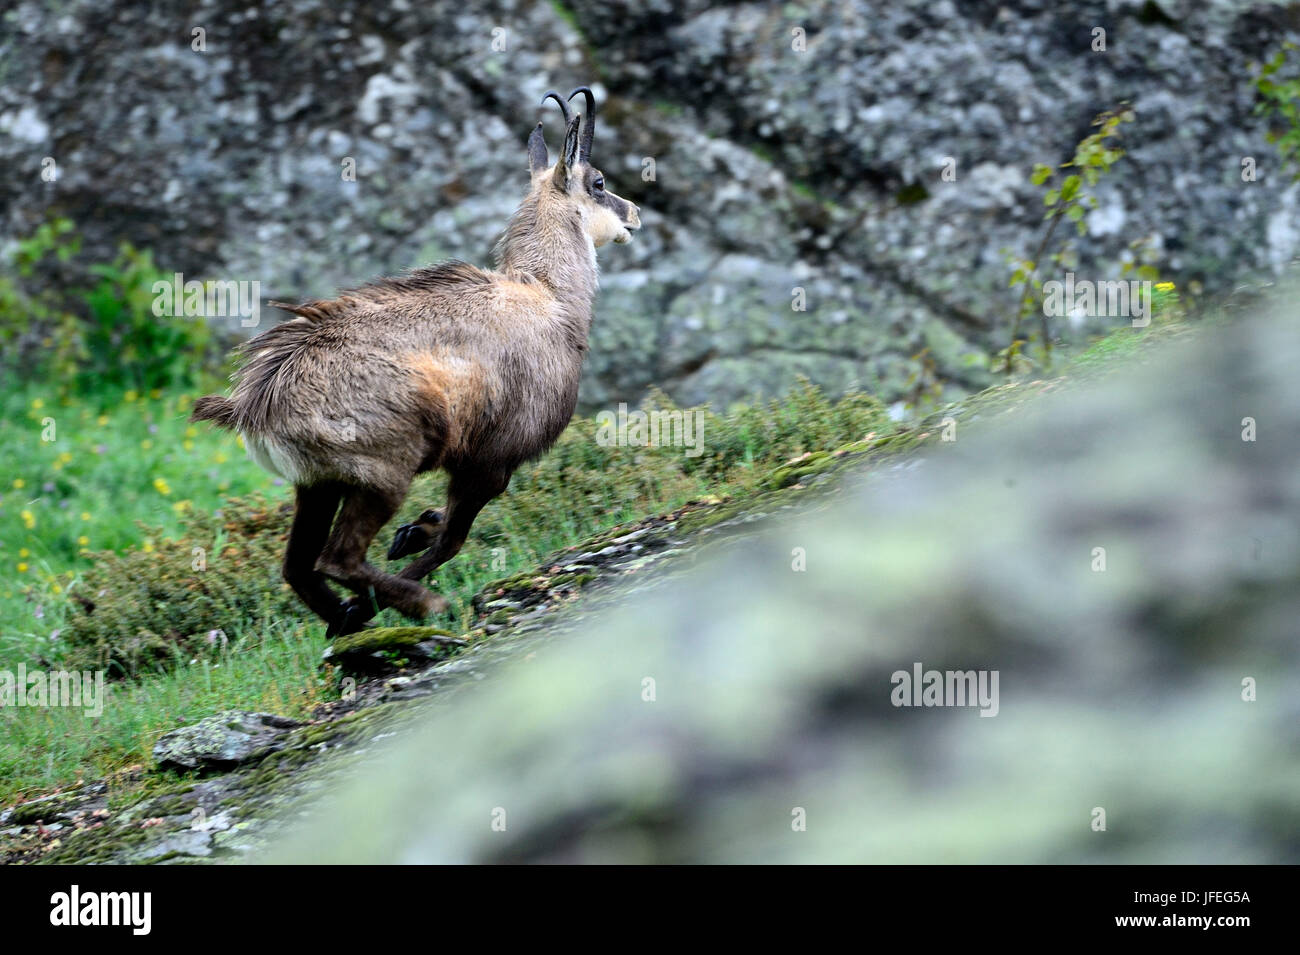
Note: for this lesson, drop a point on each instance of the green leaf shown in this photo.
(1051, 198)
(1070, 188)
(1042, 173)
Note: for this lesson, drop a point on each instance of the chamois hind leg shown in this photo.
(467, 493)
(364, 512)
(312, 518)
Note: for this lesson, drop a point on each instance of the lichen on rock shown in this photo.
(221, 741)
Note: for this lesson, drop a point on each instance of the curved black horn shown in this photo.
(564, 104)
(588, 121)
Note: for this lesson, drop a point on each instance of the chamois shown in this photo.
(451, 366)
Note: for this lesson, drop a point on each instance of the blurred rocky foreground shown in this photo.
(774, 168)
(1120, 690)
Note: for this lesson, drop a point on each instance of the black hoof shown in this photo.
(416, 536)
(351, 618)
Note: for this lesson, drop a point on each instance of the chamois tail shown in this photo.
(220, 411)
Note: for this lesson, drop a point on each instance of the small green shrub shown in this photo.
(38, 332)
(143, 609)
(1280, 101)
(125, 345)
(91, 327)
(1067, 199)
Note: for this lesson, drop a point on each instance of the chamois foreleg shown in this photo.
(467, 494)
(364, 512)
(312, 518)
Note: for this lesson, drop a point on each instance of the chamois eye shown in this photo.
(598, 185)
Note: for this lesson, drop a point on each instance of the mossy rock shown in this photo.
(793, 472)
(43, 810)
(221, 741)
(387, 648)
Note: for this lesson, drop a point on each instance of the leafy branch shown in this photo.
(1281, 99)
(1067, 200)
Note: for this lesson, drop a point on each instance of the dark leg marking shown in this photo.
(418, 535)
(365, 511)
(467, 494)
(313, 515)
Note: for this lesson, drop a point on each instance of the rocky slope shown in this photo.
(688, 687)
(221, 789)
(773, 168)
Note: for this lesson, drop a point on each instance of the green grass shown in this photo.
(111, 468)
(274, 667)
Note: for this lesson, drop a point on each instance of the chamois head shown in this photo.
(604, 216)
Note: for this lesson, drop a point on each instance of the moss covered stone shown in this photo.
(221, 741)
(384, 648)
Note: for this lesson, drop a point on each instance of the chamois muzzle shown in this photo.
(631, 223)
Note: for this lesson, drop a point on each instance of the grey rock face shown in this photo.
(772, 168)
(221, 741)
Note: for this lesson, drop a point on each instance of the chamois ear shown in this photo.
(537, 158)
(569, 155)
